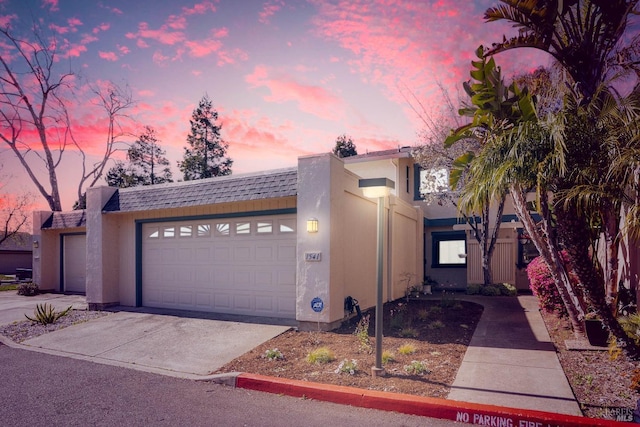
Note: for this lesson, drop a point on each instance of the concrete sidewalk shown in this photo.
(511, 360)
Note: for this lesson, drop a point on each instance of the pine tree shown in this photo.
(345, 147)
(147, 164)
(206, 154)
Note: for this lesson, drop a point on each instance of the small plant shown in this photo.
(447, 300)
(28, 289)
(409, 332)
(387, 357)
(435, 310)
(321, 355)
(423, 315)
(347, 367)
(396, 316)
(362, 333)
(436, 324)
(407, 348)
(46, 314)
(507, 289)
(273, 354)
(416, 368)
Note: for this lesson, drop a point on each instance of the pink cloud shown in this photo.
(102, 27)
(268, 10)
(309, 98)
(199, 8)
(196, 73)
(51, 4)
(74, 22)
(177, 22)
(123, 49)
(159, 58)
(199, 49)
(146, 93)
(162, 35)
(109, 56)
(58, 29)
(5, 20)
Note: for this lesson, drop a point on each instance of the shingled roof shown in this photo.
(66, 220)
(232, 188)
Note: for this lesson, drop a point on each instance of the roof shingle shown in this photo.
(232, 188)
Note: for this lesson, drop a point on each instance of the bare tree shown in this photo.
(35, 122)
(14, 212)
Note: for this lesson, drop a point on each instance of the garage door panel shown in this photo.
(243, 266)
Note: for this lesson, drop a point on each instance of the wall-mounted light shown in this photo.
(36, 244)
(524, 238)
(312, 225)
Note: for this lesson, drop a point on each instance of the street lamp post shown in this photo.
(378, 188)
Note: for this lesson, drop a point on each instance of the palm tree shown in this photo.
(584, 37)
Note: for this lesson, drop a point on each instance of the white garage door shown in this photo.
(74, 265)
(240, 265)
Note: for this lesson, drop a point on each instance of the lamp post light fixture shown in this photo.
(378, 188)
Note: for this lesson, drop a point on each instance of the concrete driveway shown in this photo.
(160, 341)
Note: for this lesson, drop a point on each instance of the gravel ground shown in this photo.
(26, 329)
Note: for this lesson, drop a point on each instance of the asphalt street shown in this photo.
(38, 388)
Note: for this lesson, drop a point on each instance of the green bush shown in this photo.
(490, 291)
(46, 314)
(507, 289)
(473, 289)
(28, 289)
(321, 355)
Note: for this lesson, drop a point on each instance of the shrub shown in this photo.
(347, 367)
(437, 324)
(543, 286)
(273, 354)
(473, 289)
(28, 289)
(417, 368)
(362, 333)
(46, 314)
(447, 300)
(435, 310)
(507, 289)
(387, 357)
(407, 349)
(490, 291)
(423, 315)
(321, 355)
(409, 333)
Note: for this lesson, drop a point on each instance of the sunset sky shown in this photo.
(286, 77)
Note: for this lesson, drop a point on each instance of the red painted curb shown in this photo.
(471, 413)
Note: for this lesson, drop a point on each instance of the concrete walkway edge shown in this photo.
(471, 413)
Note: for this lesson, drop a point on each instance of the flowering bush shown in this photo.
(542, 285)
(347, 367)
(417, 368)
(273, 354)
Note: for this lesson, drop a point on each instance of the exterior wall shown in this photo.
(347, 240)
(102, 247)
(47, 257)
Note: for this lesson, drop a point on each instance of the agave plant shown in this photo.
(46, 314)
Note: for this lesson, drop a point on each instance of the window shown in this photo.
(186, 230)
(223, 229)
(287, 226)
(449, 249)
(243, 228)
(434, 181)
(204, 230)
(153, 233)
(265, 227)
(168, 232)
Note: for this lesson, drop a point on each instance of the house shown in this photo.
(289, 243)
(16, 254)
